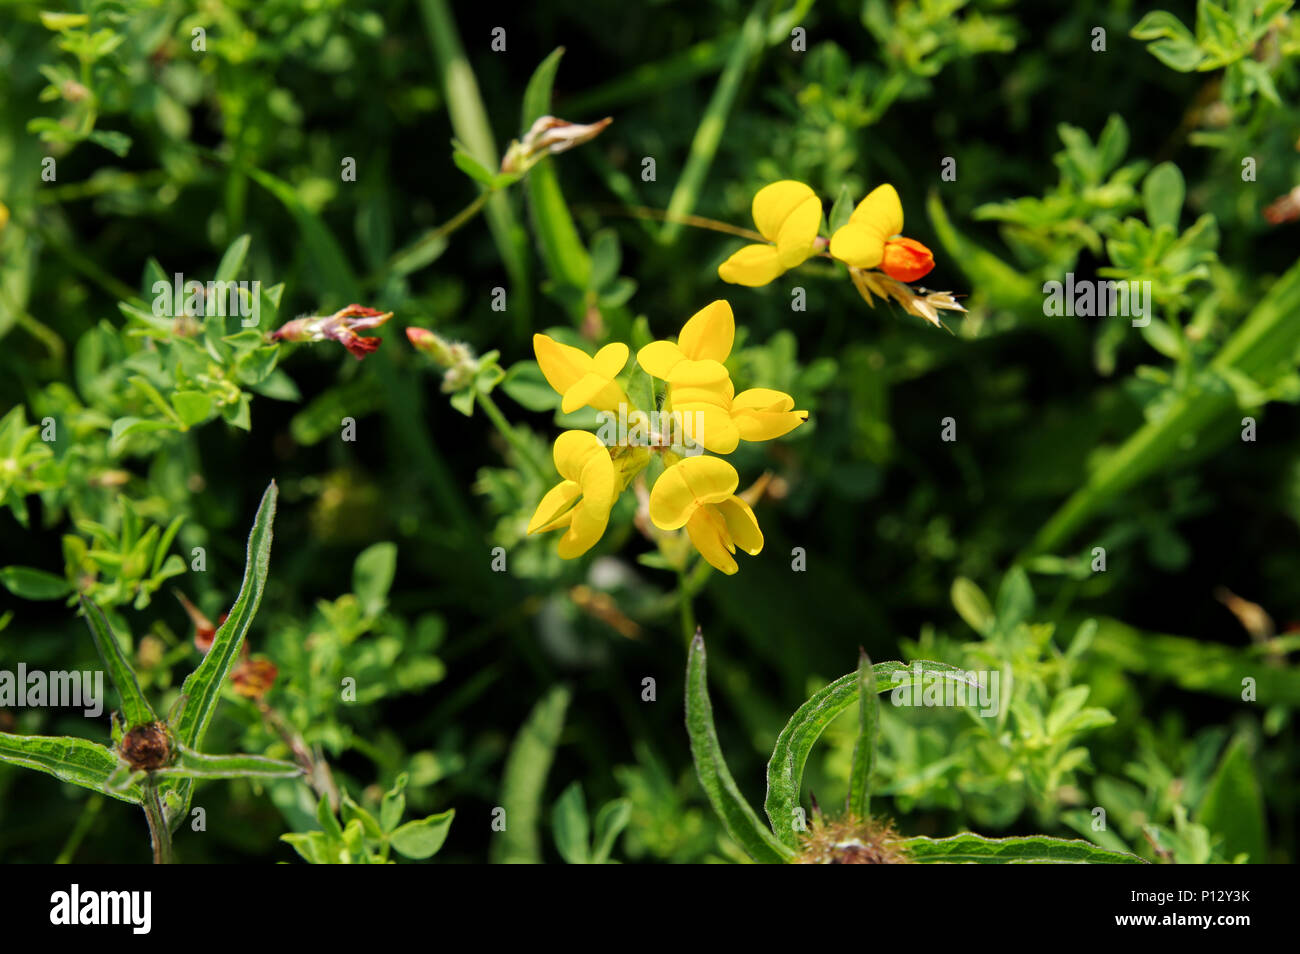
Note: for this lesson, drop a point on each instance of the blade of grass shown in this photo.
(708, 134)
(469, 122)
(565, 257)
(1262, 346)
(524, 780)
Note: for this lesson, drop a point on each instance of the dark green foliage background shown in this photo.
(888, 514)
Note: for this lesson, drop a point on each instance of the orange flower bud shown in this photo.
(906, 260)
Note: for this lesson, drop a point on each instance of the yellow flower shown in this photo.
(700, 390)
(788, 214)
(871, 239)
(581, 379)
(582, 500)
(699, 493)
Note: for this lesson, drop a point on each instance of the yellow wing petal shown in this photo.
(762, 414)
(611, 359)
(658, 358)
(861, 246)
(752, 266)
(562, 365)
(686, 485)
(554, 505)
(698, 374)
(774, 203)
(709, 333)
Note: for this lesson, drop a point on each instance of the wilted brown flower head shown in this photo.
(147, 747)
(342, 326)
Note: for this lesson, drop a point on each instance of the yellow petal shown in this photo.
(584, 533)
(686, 485)
(774, 203)
(753, 265)
(742, 525)
(859, 245)
(880, 210)
(794, 243)
(611, 359)
(708, 532)
(658, 358)
(598, 483)
(596, 390)
(761, 414)
(554, 505)
(562, 365)
(709, 333)
(698, 374)
(571, 450)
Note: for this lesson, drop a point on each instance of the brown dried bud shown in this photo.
(147, 747)
(851, 841)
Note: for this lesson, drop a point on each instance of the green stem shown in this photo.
(434, 236)
(512, 436)
(159, 833)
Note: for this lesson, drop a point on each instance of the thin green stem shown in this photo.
(159, 833)
(512, 437)
(439, 234)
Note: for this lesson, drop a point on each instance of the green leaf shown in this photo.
(68, 759)
(29, 583)
(233, 260)
(968, 848)
(610, 822)
(193, 407)
(1163, 192)
(524, 778)
(423, 838)
(393, 806)
(351, 811)
(202, 688)
(135, 707)
(472, 167)
(191, 764)
(864, 748)
(571, 827)
(972, 605)
(785, 768)
(737, 816)
(842, 209)
(372, 576)
(1233, 806)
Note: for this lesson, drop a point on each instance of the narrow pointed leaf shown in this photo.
(135, 707)
(785, 769)
(737, 816)
(68, 759)
(968, 848)
(864, 749)
(191, 764)
(202, 688)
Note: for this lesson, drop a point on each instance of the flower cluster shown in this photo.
(701, 411)
(881, 261)
(342, 326)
